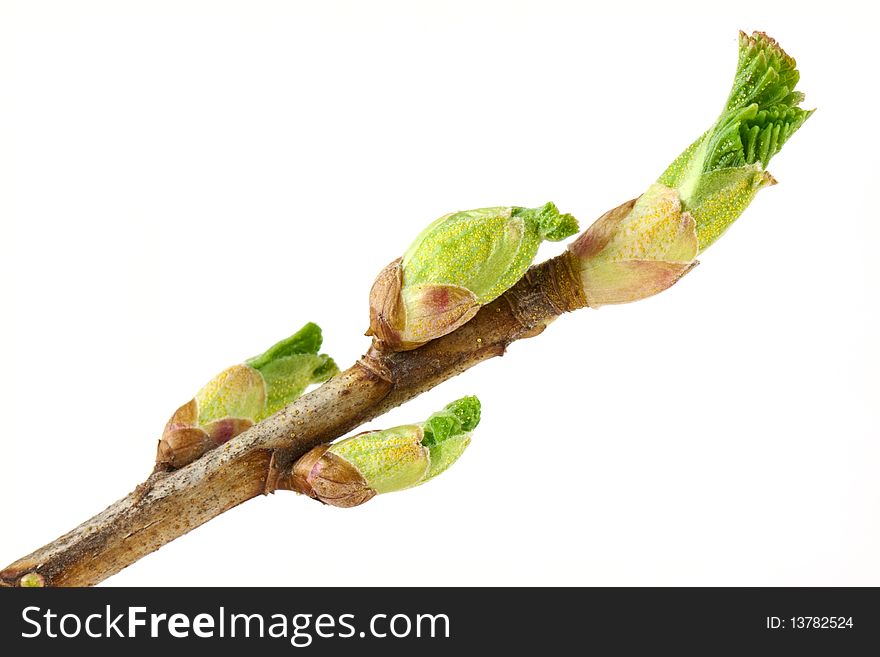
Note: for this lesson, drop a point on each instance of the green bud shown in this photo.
(242, 395)
(459, 263)
(354, 470)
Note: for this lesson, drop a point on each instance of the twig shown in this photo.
(633, 251)
(256, 462)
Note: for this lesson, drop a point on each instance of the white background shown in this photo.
(184, 183)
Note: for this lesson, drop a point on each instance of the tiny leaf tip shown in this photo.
(554, 225)
(459, 417)
(468, 410)
(307, 340)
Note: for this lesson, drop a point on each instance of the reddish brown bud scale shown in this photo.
(386, 311)
(242, 395)
(299, 474)
(182, 445)
(329, 478)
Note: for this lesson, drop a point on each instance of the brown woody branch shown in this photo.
(170, 504)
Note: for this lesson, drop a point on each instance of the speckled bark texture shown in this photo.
(258, 461)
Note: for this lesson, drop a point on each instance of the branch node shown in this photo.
(563, 287)
(374, 362)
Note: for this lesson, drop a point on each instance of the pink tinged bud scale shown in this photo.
(637, 249)
(408, 317)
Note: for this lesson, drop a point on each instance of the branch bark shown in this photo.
(170, 504)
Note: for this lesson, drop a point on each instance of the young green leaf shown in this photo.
(718, 175)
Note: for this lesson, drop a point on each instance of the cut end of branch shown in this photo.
(32, 580)
(24, 575)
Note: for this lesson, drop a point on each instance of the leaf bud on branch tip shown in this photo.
(459, 263)
(644, 246)
(242, 395)
(356, 469)
(718, 175)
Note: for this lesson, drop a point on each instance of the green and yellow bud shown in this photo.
(637, 249)
(356, 469)
(646, 245)
(242, 395)
(459, 263)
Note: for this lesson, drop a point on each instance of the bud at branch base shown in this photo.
(242, 395)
